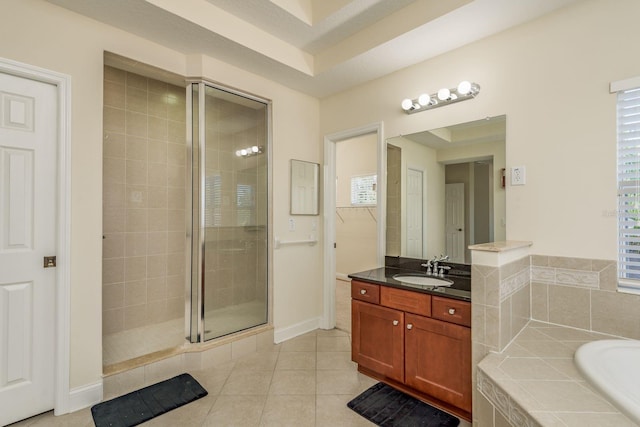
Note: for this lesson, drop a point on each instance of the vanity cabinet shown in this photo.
(414, 341)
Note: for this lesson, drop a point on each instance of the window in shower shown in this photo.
(230, 200)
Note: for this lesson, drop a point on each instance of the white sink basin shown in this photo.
(422, 280)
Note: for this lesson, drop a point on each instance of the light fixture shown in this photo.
(465, 90)
(249, 151)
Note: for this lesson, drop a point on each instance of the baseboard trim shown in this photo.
(283, 334)
(85, 396)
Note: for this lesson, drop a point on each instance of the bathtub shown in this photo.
(613, 368)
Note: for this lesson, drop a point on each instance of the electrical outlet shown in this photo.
(292, 224)
(518, 175)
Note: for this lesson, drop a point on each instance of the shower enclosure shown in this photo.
(228, 278)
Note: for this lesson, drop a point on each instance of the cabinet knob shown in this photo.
(363, 291)
(409, 326)
(395, 323)
(452, 311)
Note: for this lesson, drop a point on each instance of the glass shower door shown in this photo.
(231, 201)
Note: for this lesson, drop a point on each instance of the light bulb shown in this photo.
(254, 148)
(407, 104)
(443, 94)
(238, 153)
(464, 88)
(424, 99)
(243, 152)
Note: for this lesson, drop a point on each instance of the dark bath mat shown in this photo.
(388, 407)
(149, 402)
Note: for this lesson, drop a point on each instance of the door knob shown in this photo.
(409, 326)
(452, 311)
(395, 323)
(363, 291)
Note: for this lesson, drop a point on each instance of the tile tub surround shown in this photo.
(534, 382)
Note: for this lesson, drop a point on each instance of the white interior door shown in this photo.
(28, 147)
(454, 221)
(414, 213)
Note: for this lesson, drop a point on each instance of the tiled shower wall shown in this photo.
(143, 201)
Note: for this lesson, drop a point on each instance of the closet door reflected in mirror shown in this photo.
(304, 187)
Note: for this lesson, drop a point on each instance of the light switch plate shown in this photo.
(518, 175)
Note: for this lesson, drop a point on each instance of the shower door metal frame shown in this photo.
(194, 316)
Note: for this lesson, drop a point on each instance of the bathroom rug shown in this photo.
(142, 405)
(388, 407)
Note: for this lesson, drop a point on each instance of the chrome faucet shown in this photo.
(428, 265)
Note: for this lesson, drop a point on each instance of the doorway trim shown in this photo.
(62, 82)
(328, 320)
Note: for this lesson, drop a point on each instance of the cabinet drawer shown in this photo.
(451, 310)
(413, 302)
(365, 292)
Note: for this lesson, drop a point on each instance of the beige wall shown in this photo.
(551, 78)
(356, 227)
(50, 37)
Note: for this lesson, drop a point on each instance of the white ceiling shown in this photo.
(319, 47)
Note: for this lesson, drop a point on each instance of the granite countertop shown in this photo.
(460, 289)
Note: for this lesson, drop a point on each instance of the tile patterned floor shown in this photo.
(306, 381)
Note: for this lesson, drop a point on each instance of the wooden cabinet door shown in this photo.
(438, 359)
(378, 339)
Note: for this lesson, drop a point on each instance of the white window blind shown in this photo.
(629, 189)
(363, 190)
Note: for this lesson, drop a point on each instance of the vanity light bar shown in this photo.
(249, 151)
(465, 90)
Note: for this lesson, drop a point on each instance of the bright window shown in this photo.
(363, 190)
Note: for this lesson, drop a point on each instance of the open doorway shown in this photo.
(354, 208)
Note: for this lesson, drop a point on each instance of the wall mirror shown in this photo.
(445, 190)
(304, 187)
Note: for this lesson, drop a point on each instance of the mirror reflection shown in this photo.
(304, 187)
(445, 190)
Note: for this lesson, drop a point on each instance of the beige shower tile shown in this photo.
(157, 197)
(570, 263)
(156, 266)
(113, 270)
(123, 383)
(157, 311)
(158, 174)
(135, 316)
(176, 176)
(540, 260)
(112, 321)
(112, 296)
(113, 145)
(157, 87)
(114, 170)
(113, 219)
(175, 308)
(114, 120)
(176, 286)
(156, 102)
(217, 356)
(113, 245)
(114, 74)
(136, 81)
(163, 369)
(135, 244)
(176, 241)
(114, 94)
(506, 317)
(566, 396)
(156, 289)
(157, 243)
(157, 151)
(177, 131)
(176, 198)
(136, 172)
(137, 196)
(569, 306)
(136, 124)
(136, 100)
(177, 111)
(590, 419)
(608, 277)
(530, 369)
(243, 347)
(492, 327)
(136, 220)
(135, 268)
(175, 264)
(135, 292)
(157, 128)
(113, 196)
(176, 154)
(176, 220)
(136, 148)
(157, 219)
